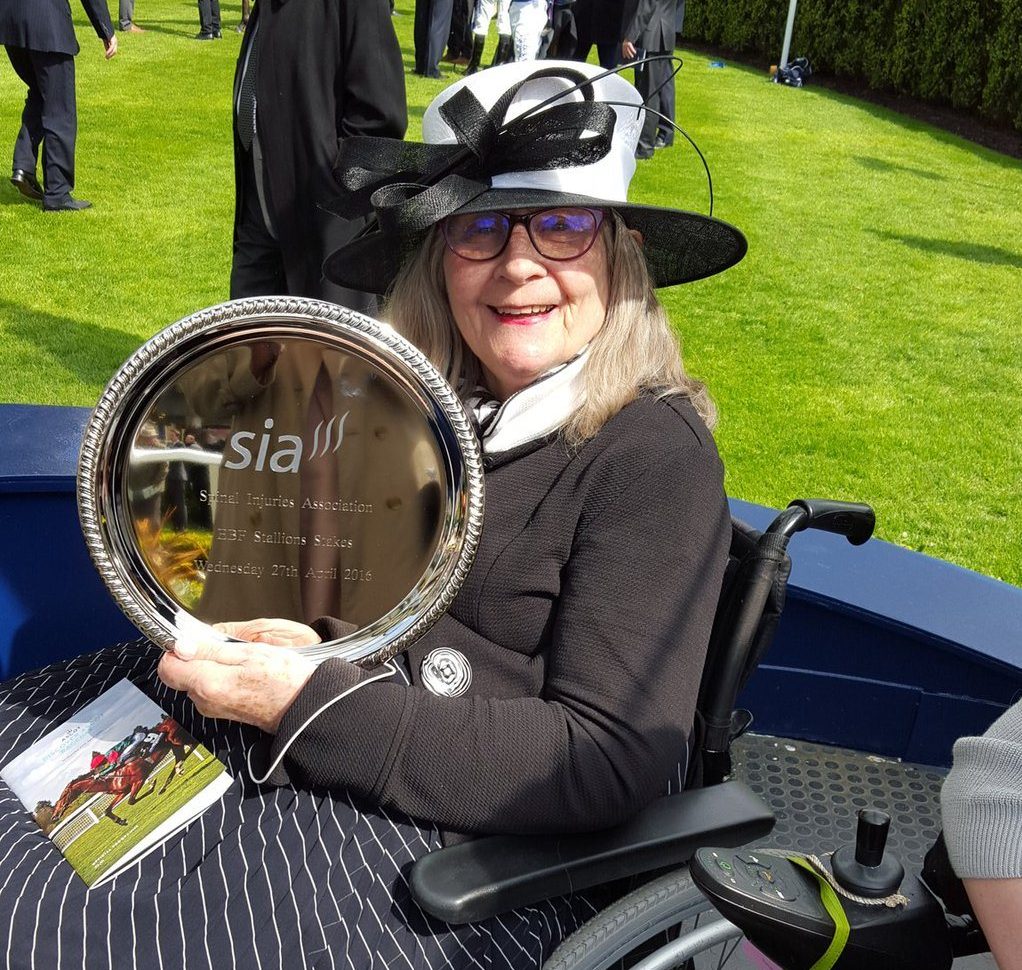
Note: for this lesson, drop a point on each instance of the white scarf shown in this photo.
(535, 411)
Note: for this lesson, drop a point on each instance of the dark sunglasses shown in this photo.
(565, 233)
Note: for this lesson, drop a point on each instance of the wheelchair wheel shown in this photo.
(669, 901)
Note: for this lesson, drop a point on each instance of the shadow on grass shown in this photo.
(959, 249)
(49, 334)
(884, 165)
(891, 115)
(999, 144)
(9, 195)
(190, 28)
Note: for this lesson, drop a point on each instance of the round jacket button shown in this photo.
(446, 672)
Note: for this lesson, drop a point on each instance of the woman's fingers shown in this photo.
(222, 652)
(275, 631)
(243, 682)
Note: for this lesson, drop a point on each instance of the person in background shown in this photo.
(528, 21)
(981, 809)
(41, 44)
(484, 12)
(209, 20)
(459, 42)
(126, 17)
(309, 74)
(600, 22)
(651, 31)
(432, 27)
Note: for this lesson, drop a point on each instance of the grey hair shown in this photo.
(636, 351)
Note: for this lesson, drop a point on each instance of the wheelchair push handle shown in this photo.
(853, 520)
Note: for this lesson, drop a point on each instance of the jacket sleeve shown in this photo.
(638, 596)
(640, 22)
(370, 87)
(981, 802)
(99, 17)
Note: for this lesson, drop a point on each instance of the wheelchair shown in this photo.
(485, 877)
(855, 909)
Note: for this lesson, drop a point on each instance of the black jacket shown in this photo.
(585, 618)
(600, 21)
(652, 25)
(45, 25)
(327, 69)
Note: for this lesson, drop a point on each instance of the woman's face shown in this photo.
(521, 313)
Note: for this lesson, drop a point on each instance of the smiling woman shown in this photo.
(558, 692)
(521, 310)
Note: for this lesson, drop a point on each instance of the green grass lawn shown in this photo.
(868, 347)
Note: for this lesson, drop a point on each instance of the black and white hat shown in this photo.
(524, 135)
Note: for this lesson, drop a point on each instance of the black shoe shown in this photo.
(67, 205)
(661, 142)
(643, 153)
(205, 35)
(217, 35)
(27, 184)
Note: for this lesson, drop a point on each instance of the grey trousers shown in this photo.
(655, 84)
(125, 13)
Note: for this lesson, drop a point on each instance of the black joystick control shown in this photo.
(864, 870)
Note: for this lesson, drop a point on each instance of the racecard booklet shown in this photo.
(114, 781)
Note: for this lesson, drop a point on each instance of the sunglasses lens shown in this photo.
(556, 233)
(477, 235)
(563, 233)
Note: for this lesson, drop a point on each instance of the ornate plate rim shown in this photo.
(124, 391)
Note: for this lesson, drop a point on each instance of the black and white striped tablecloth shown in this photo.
(267, 878)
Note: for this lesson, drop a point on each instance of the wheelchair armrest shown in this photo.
(475, 880)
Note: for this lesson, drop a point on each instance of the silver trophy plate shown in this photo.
(282, 458)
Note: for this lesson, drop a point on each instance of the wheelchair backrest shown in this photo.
(751, 600)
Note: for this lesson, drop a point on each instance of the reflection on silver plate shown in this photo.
(281, 458)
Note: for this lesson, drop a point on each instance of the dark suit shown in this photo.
(600, 22)
(432, 27)
(651, 30)
(322, 70)
(41, 44)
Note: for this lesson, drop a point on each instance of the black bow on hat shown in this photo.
(405, 188)
(411, 186)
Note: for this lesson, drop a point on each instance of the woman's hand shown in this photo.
(281, 633)
(249, 682)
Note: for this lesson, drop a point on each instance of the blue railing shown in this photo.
(880, 648)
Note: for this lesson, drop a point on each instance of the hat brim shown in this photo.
(679, 246)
